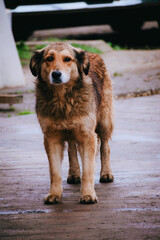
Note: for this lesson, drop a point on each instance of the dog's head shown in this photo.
(59, 63)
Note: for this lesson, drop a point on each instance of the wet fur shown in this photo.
(76, 112)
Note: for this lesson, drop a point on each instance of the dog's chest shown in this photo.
(63, 107)
(68, 126)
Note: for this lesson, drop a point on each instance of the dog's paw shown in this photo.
(106, 178)
(88, 199)
(73, 179)
(52, 199)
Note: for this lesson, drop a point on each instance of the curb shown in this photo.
(149, 92)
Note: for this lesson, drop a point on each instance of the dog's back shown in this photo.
(102, 86)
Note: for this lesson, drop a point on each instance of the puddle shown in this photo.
(138, 209)
(135, 138)
(24, 212)
(67, 210)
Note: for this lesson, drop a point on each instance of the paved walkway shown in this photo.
(128, 208)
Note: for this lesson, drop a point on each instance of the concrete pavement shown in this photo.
(128, 208)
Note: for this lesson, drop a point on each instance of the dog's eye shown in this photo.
(67, 59)
(50, 59)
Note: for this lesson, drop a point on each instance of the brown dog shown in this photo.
(73, 104)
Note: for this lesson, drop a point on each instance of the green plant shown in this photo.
(40, 46)
(30, 91)
(117, 74)
(11, 109)
(23, 50)
(18, 92)
(82, 46)
(25, 112)
(51, 39)
(117, 47)
(137, 47)
(87, 48)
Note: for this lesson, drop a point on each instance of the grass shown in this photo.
(125, 47)
(25, 112)
(12, 108)
(117, 74)
(25, 52)
(37, 47)
(77, 45)
(87, 48)
(51, 39)
(18, 92)
(117, 47)
(26, 91)
(30, 91)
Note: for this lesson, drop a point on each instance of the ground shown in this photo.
(128, 208)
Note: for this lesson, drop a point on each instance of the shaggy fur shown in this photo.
(73, 104)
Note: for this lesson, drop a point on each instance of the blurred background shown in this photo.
(126, 33)
(132, 23)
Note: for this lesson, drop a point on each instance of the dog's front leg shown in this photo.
(54, 150)
(87, 151)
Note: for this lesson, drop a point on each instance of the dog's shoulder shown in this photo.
(97, 66)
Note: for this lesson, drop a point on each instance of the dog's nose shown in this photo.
(56, 75)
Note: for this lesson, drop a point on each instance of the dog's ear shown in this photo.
(35, 63)
(82, 59)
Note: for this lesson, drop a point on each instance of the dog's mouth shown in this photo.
(57, 81)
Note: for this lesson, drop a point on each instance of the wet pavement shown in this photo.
(128, 208)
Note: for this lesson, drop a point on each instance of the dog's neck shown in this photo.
(62, 100)
(49, 91)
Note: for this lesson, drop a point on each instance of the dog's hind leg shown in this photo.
(105, 128)
(104, 131)
(106, 171)
(74, 169)
(54, 150)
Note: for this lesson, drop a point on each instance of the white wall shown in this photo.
(11, 74)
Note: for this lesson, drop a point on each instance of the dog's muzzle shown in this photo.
(56, 77)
